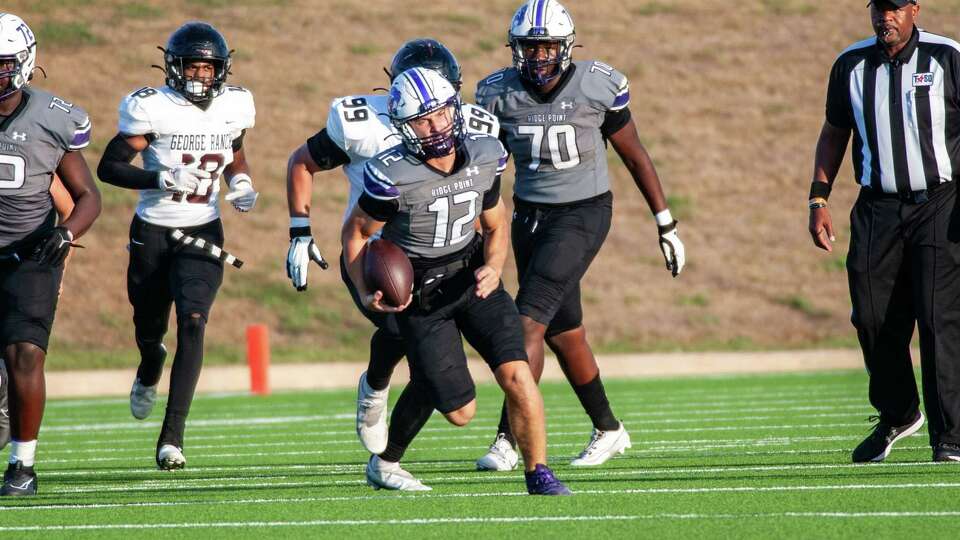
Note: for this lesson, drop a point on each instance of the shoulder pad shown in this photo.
(354, 124)
(377, 184)
(242, 110)
(478, 120)
(68, 123)
(490, 87)
(134, 111)
(604, 85)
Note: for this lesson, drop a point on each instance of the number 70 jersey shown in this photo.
(361, 127)
(557, 145)
(180, 133)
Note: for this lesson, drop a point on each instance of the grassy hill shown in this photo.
(728, 99)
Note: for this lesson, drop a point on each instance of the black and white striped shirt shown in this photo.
(904, 111)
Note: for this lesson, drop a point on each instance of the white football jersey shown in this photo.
(361, 127)
(183, 134)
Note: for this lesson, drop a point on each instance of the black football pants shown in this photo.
(904, 269)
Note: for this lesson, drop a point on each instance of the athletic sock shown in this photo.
(409, 416)
(24, 452)
(594, 400)
(183, 378)
(152, 356)
(386, 351)
(504, 426)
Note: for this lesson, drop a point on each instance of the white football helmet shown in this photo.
(541, 21)
(17, 44)
(418, 92)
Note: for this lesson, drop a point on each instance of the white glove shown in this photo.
(302, 250)
(672, 247)
(242, 195)
(183, 179)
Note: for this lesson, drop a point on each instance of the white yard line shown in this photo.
(414, 497)
(459, 520)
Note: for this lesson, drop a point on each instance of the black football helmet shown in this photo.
(196, 41)
(426, 53)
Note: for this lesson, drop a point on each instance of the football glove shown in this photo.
(183, 179)
(56, 247)
(242, 195)
(672, 247)
(302, 250)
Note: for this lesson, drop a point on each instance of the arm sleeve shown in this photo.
(325, 152)
(492, 196)
(238, 141)
(115, 167)
(838, 111)
(613, 121)
(378, 209)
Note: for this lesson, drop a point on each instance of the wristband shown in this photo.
(239, 177)
(299, 226)
(663, 217)
(820, 190)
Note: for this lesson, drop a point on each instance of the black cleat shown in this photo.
(19, 480)
(877, 446)
(946, 452)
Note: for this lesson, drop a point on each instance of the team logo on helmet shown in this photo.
(541, 36)
(18, 53)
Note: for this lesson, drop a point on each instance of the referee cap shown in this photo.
(898, 3)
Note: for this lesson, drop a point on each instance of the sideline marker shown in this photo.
(258, 358)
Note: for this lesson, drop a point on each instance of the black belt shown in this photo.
(909, 197)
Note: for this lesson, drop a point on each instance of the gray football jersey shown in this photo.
(435, 212)
(33, 140)
(557, 147)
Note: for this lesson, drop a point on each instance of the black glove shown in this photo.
(56, 247)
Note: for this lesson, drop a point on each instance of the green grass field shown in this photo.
(746, 456)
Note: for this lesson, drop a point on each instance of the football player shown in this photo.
(40, 134)
(556, 118)
(190, 134)
(63, 204)
(358, 128)
(426, 195)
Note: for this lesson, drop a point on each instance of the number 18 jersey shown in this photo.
(180, 133)
(557, 146)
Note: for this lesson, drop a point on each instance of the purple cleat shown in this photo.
(541, 481)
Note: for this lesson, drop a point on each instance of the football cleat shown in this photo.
(500, 457)
(372, 416)
(603, 445)
(876, 447)
(19, 480)
(386, 475)
(541, 481)
(170, 458)
(142, 399)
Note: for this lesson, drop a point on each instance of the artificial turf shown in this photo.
(744, 456)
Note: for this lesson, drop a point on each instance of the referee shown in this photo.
(899, 93)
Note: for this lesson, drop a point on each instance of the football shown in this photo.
(386, 268)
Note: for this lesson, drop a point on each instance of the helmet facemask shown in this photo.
(196, 89)
(439, 143)
(18, 75)
(537, 70)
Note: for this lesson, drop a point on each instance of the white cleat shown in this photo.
(501, 457)
(372, 416)
(170, 458)
(142, 399)
(603, 445)
(386, 475)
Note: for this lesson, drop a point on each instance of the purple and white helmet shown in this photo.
(543, 21)
(18, 44)
(418, 92)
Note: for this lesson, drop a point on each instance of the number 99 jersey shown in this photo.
(181, 133)
(557, 145)
(361, 127)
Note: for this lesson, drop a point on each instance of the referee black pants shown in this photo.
(904, 270)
